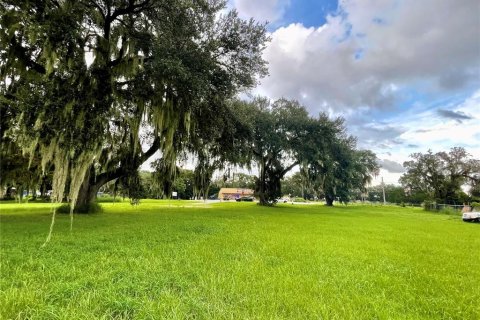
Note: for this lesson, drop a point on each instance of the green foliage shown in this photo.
(441, 175)
(429, 205)
(185, 259)
(236, 180)
(476, 205)
(276, 135)
(450, 211)
(164, 176)
(295, 185)
(202, 175)
(166, 68)
(340, 170)
(393, 194)
(298, 199)
(182, 184)
(91, 207)
(131, 186)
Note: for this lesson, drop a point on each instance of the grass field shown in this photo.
(187, 260)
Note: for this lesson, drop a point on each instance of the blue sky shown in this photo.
(311, 13)
(405, 74)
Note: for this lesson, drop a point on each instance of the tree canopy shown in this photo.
(93, 88)
(282, 135)
(440, 176)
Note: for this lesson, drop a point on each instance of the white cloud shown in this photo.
(373, 50)
(377, 58)
(425, 130)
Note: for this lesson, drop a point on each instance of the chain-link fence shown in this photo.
(442, 206)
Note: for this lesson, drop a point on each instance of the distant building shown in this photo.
(234, 193)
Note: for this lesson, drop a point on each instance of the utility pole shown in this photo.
(383, 190)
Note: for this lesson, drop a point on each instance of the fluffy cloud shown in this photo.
(403, 73)
(391, 166)
(420, 131)
(374, 51)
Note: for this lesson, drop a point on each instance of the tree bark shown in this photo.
(86, 197)
(329, 200)
(261, 184)
(93, 182)
(87, 193)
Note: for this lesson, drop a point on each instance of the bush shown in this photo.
(88, 208)
(429, 205)
(109, 199)
(475, 205)
(450, 211)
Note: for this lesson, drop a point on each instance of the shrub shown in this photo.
(450, 211)
(88, 208)
(429, 205)
(475, 205)
(109, 199)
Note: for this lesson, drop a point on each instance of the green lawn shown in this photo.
(187, 260)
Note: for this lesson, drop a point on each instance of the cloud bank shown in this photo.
(405, 74)
(372, 52)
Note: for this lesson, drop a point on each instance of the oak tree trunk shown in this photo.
(87, 194)
(329, 200)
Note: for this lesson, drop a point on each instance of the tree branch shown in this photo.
(131, 8)
(153, 148)
(105, 177)
(21, 53)
(290, 167)
(100, 9)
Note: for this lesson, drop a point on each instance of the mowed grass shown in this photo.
(189, 260)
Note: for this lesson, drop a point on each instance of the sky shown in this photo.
(405, 74)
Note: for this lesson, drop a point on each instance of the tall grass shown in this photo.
(191, 260)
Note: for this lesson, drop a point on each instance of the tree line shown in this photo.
(92, 89)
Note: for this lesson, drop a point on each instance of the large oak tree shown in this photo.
(96, 87)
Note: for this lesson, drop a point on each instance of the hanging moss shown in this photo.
(60, 174)
(203, 173)
(46, 153)
(77, 175)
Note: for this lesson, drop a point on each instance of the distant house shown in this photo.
(234, 193)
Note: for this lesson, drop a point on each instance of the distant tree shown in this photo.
(282, 135)
(393, 194)
(275, 134)
(293, 185)
(238, 180)
(440, 176)
(150, 190)
(184, 184)
(335, 165)
(298, 185)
